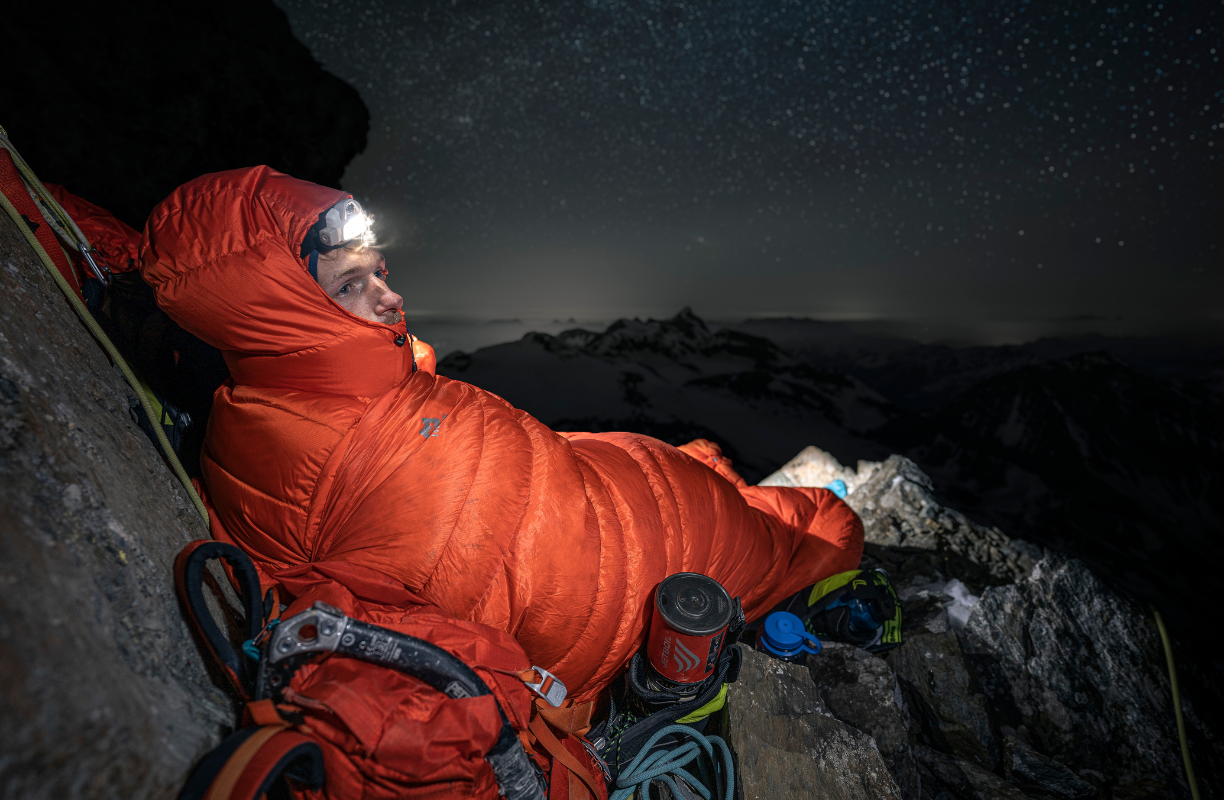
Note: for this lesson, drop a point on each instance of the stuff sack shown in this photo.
(858, 607)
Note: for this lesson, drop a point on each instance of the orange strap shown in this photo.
(263, 713)
(222, 787)
(549, 741)
(577, 789)
(573, 720)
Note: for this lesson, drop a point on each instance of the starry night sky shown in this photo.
(944, 161)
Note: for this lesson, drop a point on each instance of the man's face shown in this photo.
(357, 281)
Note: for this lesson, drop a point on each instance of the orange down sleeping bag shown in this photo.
(329, 445)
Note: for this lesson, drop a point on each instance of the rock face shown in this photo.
(898, 507)
(960, 779)
(787, 745)
(121, 103)
(1016, 680)
(1033, 772)
(1081, 669)
(861, 690)
(102, 691)
(931, 670)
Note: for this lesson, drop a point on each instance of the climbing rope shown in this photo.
(1177, 709)
(62, 223)
(666, 765)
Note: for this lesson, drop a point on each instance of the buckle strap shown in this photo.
(545, 684)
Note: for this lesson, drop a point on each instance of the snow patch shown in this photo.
(962, 603)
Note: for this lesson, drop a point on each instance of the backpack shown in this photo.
(358, 688)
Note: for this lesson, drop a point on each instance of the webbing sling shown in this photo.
(20, 185)
(189, 585)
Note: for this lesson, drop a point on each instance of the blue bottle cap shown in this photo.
(783, 635)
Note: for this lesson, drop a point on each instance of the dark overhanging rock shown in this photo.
(947, 776)
(1042, 776)
(123, 102)
(102, 690)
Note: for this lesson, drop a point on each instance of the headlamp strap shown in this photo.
(314, 265)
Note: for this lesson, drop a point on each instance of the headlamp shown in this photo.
(343, 222)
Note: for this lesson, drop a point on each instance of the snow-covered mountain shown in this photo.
(1111, 449)
(678, 380)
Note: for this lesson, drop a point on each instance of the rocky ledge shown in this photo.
(1022, 674)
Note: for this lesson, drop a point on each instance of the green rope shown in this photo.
(666, 765)
(65, 220)
(1177, 709)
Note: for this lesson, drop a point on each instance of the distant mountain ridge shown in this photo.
(1110, 449)
(677, 379)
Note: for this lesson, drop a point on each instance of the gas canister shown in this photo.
(687, 630)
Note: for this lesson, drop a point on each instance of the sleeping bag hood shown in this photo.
(222, 254)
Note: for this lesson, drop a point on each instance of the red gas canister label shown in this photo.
(680, 657)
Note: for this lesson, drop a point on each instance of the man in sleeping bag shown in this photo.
(335, 441)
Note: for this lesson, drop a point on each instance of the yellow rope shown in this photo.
(82, 312)
(1177, 709)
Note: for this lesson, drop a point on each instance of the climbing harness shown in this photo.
(21, 189)
(173, 421)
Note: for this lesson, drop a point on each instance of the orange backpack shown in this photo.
(359, 689)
